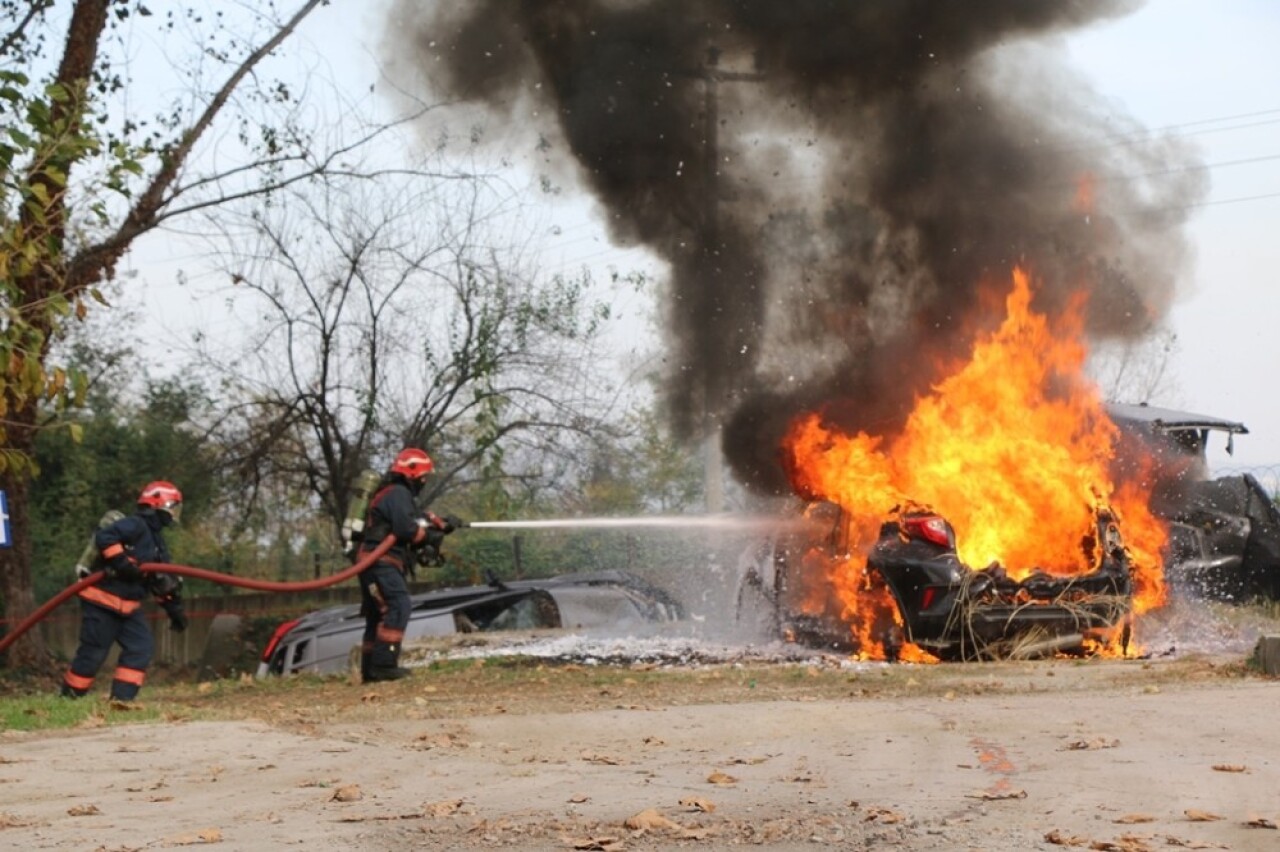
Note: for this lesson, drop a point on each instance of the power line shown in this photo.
(1239, 200)
(1236, 117)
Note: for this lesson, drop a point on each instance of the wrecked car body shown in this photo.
(322, 642)
(941, 605)
(958, 613)
(1224, 532)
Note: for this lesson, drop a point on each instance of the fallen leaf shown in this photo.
(604, 759)
(1138, 842)
(996, 794)
(204, 835)
(1182, 842)
(1201, 816)
(375, 817)
(1133, 819)
(876, 813)
(697, 804)
(718, 777)
(696, 833)
(597, 844)
(649, 820)
(1057, 838)
(749, 761)
(1260, 822)
(1090, 745)
(11, 821)
(441, 740)
(445, 808)
(579, 798)
(84, 810)
(349, 793)
(1229, 767)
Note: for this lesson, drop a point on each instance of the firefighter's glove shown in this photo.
(177, 615)
(123, 568)
(428, 556)
(165, 586)
(446, 524)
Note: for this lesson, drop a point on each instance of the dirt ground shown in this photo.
(1096, 754)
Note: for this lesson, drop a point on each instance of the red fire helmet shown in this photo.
(163, 497)
(413, 464)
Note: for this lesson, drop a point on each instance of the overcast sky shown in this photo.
(1201, 70)
(1207, 71)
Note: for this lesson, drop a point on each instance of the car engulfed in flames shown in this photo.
(955, 612)
(987, 525)
(918, 602)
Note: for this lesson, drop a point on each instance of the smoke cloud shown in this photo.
(835, 184)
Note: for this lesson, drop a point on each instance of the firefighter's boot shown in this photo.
(366, 661)
(384, 662)
(75, 686)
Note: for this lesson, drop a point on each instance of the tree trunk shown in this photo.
(84, 31)
(15, 561)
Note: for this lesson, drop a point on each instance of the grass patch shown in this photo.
(53, 712)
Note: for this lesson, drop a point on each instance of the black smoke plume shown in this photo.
(833, 182)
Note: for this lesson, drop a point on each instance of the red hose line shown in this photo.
(202, 574)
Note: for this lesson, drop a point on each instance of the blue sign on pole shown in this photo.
(6, 532)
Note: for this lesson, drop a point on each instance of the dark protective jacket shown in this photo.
(141, 537)
(393, 512)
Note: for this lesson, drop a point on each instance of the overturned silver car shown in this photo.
(321, 642)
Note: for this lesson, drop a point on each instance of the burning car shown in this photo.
(918, 596)
(956, 612)
(984, 520)
(321, 642)
(1224, 532)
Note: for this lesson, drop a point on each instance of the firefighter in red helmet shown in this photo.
(384, 592)
(111, 609)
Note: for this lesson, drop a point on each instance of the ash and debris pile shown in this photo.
(646, 651)
(1185, 628)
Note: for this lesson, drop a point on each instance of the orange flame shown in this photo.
(1013, 448)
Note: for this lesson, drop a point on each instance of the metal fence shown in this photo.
(1268, 475)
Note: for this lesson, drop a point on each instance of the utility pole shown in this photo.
(713, 392)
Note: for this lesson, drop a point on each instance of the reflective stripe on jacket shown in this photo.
(105, 599)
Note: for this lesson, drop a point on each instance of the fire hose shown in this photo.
(200, 574)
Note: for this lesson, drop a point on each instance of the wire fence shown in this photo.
(1268, 475)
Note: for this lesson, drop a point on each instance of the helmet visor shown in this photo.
(174, 510)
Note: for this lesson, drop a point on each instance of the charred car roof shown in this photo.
(1168, 419)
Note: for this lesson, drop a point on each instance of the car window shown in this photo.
(530, 613)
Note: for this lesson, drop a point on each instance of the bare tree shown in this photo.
(88, 168)
(380, 314)
(1137, 371)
